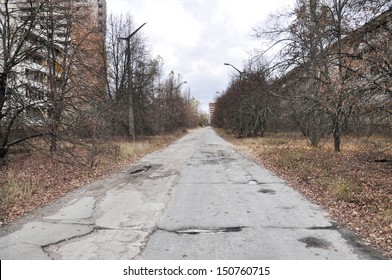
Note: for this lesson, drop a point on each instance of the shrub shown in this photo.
(346, 190)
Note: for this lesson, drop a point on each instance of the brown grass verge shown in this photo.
(355, 186)
(32, 179)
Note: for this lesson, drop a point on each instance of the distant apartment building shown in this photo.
(100, 11)
(211, 109)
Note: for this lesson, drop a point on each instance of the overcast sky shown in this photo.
(195, 37)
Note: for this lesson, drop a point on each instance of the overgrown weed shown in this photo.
(346, 190)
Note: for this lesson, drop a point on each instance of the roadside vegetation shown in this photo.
(355, 186)
(32, 179)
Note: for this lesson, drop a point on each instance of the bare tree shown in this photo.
(323, 76)
(247, 106)
(46, 51)
(70, 40)
(141, 78)
(17, 43)
(174, 110)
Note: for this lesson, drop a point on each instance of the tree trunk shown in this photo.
(131, 116)
(53, 142)
(315, 129)
(3, 132)
(54, 118)
(314, 139)
(3, 155)
(336, 135)
(3, 88)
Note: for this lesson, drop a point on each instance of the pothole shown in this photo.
(145, 168)
(314, 242)
(332, 227)
(195, 231)
(287, 208)
(267, 191)
(210, 162)
(255, 182)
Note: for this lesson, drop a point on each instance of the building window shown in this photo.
(34, 93)
(34, 75)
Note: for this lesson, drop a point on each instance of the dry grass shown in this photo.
(32, 179)
(346, 190)
(355, 185)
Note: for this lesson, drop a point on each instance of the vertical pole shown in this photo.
(131, 116)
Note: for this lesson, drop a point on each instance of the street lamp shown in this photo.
(129, 88)
(185, 82)
(240, 72)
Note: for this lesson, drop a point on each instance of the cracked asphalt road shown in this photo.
(196, 199)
